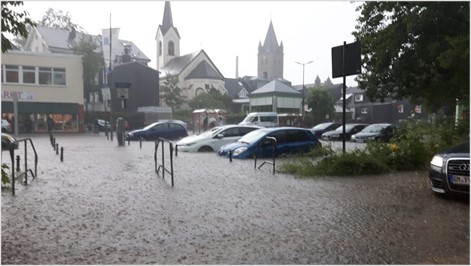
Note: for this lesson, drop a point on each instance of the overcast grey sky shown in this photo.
(226, 29)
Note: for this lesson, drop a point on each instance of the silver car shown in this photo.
(214, 138)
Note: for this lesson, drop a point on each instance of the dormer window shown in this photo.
(359, 98)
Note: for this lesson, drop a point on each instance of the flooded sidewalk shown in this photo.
(105, 204)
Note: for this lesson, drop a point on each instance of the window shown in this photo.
(358, 97)
(29, 74)
(59, 76)
(160, 48)
(418, 109)
(171, 48)
(45, 76)
(400, 108)
(12, 74)
(364, 110)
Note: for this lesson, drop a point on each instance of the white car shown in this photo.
(214, 138)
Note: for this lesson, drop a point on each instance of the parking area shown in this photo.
(106, 205)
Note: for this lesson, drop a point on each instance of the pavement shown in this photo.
(105, 204)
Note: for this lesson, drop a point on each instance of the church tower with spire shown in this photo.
(270, 56)
(168, 39)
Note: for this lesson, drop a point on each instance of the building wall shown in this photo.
(36, 103)
(72, 92)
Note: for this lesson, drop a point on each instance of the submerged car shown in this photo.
(213, 139)
(170, 129)
(289, 140)
(449, 171)
(337, 134)
(7, 141)
(374, 132)
(319, 129)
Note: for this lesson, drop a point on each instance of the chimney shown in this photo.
(237, 67)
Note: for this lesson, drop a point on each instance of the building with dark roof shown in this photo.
(275, 96)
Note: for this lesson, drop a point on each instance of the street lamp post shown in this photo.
(302, 92)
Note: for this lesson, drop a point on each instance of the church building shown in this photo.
(270, 56)
(196, 72)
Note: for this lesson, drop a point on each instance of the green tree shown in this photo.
(170, 93)
(212, 99)
(415, 50)
(13, 22)
(92, 61)
(58, 20)
(321, 102)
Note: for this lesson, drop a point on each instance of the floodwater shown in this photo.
(105, 204)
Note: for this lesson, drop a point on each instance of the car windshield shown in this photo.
(376, 128)
(321, 126)
(347, 128)
(150, 126)
(211, 132)
(253, 136)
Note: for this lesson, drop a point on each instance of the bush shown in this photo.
(411, 148)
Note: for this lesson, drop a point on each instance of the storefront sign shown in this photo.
(22, 95)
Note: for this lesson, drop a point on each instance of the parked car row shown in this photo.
(355, 132)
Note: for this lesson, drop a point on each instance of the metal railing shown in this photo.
(158, 167)
(26, 169)
(273, 142)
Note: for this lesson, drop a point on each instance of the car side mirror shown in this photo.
(219, 136)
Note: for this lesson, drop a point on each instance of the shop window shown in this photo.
(12, 74)
(29, 74)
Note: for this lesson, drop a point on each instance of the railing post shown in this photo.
(57, 148)
(12, 157)
(26, 162)
(17, 163)
(171, 160)
(176, 150)
(163, 161)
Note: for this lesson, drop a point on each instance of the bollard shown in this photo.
(54, 143)
(140, 143)
(230, 156)
(62, 154)
(176, 150)
(50, 137)
(57, 148)
(17, 163)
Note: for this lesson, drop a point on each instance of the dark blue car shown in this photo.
(289, 140)
(171, 129)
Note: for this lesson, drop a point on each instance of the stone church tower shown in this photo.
(168, 39)
(270, 56)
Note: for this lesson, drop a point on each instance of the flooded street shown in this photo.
(106, 205)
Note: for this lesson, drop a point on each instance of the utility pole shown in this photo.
(302, 92)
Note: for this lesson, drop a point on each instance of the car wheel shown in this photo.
(205, 149)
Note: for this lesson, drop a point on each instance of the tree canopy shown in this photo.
(58, 20)
(13, 22)
(415, 50)
(321, 102)
(213, 99)
(170, 93)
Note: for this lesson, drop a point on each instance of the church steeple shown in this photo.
(168, 38)
(270, 56)
(167, 22)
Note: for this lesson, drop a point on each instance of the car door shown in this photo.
(297, 141)
(159, 130)
(176, 131)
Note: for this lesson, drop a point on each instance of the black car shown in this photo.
(337, 134)
(449, 171)
(319, 129)
(170, 129)
(375, 132)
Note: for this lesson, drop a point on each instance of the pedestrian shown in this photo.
(50, 124)
(205, 121)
